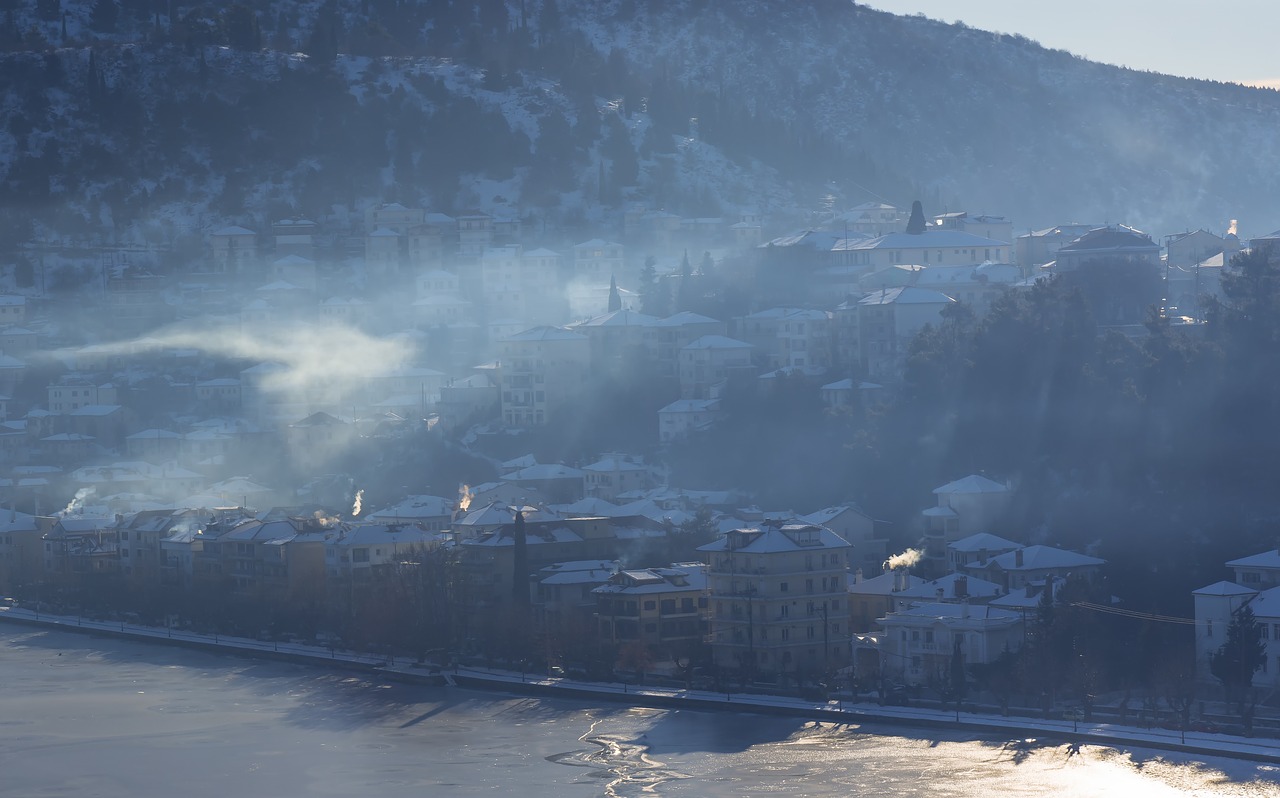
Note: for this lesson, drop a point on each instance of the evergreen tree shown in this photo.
(686, 288)
(916, 225)
(615, 300)
(1243, 653)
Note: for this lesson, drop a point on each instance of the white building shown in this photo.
(709, 361)
(542, 370)
(1256, 585)
(778, 599)
(918, 644)
(965, 507)
(683, 417)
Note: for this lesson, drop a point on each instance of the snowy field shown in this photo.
(86, 715)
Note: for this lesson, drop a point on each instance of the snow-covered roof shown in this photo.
(595, 243)
(932, 239)
(543, 471)
(154, 434)
(792, 537)
(840, 385)
(882, 585)
(973, 586)
(717, 342)
(983, 541)
(656, 580)
(523, 461)
(974, 483)
(691, 406)
(397, 534)
(546, 334)
(1267, 559)
(827, 514)
(498, 514)
(906, 295)
(685, 317)
(233, 230)
(541, 252)
(422, 506)
(619, 318)
(615, 464)
(1223, 588)
(1036, 558)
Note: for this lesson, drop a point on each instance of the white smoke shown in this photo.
(320, 360)
(464, 498)
(77, 504)
(355, 509)
(906, 559)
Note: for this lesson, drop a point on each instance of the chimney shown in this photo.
(961, 587)
(900, 581)
(1017, 558)
(857, 577)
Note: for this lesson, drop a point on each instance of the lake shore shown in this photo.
(869, 713)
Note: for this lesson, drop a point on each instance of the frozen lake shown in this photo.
(89, 716)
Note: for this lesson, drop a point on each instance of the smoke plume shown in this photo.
(355, 508)
(906, 559)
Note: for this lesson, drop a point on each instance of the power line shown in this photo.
(1134, 614)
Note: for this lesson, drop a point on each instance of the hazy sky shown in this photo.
(1228, 40)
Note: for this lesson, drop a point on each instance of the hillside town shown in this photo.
(167, 474)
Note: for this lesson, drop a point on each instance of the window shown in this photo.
(1208, 628)
(782, 588)
(786, 634)
(360, 555)
(783, 611)
(668, 606)
(650, 605)
(811, 632)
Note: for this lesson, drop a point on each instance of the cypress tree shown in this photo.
(615, 300)
(916, 224)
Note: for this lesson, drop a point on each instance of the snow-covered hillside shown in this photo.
(141, 127)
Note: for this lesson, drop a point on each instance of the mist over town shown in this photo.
(760, 348)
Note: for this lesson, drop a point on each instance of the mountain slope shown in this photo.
(568, 112)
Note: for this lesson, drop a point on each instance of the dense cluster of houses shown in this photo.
(506, 328)
(757, 593)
